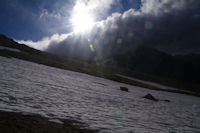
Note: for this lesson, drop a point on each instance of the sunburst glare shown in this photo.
(82, 19)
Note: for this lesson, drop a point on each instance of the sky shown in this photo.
(100, 26)
(36, 19)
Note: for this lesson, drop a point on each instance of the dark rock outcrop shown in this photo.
(124, 89)
(150, 97)
(166, 101)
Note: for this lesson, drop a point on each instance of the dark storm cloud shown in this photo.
(171, 26)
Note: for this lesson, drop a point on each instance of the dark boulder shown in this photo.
(166, 101)
(150, 97)
(124, 89)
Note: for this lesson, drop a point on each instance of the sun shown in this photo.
(82, 22)
(82, 19)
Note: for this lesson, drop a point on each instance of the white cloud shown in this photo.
(45, 42)
(158, 7)
(98, 6)
(54, 15)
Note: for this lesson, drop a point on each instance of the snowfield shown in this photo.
(59, 94)
(11, 49)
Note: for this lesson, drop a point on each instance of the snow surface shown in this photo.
(54, 93)
(10, 49)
